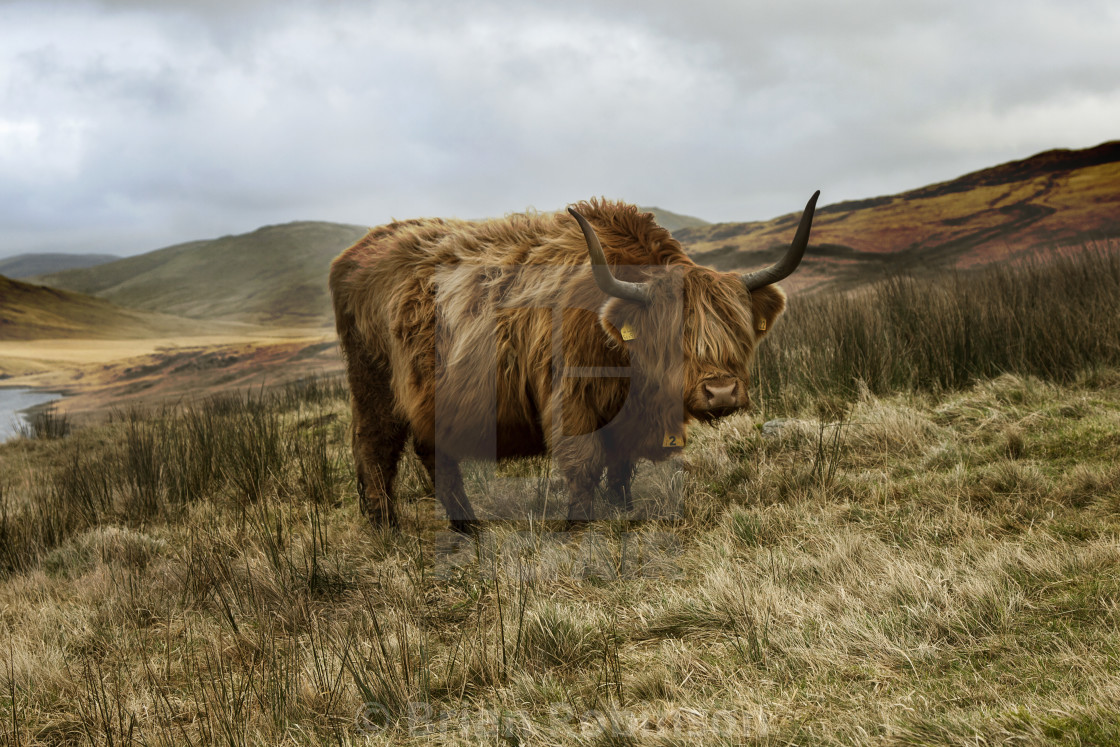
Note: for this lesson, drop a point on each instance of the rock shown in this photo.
(772, 428)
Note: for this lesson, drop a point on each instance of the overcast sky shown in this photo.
(129, 125)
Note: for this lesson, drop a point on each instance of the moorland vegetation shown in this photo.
(922, 550)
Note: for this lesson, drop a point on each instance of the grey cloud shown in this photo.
(150, 124)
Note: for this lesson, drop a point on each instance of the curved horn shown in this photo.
(787, 264)
(607, 282)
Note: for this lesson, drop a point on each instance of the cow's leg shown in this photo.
(582, 461)
(377, 448)
(378, 437)
(448, 482)
(620, 474)
(580, 456)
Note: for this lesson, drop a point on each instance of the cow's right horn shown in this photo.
(607, 282)
(787, 264)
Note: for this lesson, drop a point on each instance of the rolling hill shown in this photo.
(24, 266)
(32, 312)
(274, 275)
(1056, 199)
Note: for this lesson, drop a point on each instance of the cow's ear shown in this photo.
(612, 318)
(767, 304)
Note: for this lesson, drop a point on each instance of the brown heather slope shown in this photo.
(1052, 200)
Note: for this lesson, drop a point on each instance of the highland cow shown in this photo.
(499, 339)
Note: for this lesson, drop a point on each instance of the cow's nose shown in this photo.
(721, 396)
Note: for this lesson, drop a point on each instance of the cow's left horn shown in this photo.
(788, 263)
(607, 282)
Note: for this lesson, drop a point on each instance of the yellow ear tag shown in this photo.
(762, 325)
(673, 441)
(627, 332)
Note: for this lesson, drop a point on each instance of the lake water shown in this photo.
(12, 401)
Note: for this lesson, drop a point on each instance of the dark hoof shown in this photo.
(381, 519)
(466, 527)
(618, 501)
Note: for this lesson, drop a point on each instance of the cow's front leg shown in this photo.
(447, 481)
(582, 460)
(620, 475)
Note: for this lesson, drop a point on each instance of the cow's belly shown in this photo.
(520, 440)
(503, 440)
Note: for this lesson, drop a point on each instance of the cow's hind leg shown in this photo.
(378, 438)
(448, 482)
(377, 448)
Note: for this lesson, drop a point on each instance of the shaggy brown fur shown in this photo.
(477, 337)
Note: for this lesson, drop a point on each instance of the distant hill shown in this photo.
(674, 221)
(274, 275)
(29, 265)
(1060, 198)
(32, 312)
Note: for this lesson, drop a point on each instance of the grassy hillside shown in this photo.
(30, 312)
(1058, 198)
(935, 563)
(674, 221)
(275, 275)
(24, 266)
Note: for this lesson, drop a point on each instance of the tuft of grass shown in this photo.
(46, 423)
(256, 452)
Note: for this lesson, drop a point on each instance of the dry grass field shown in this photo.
(100, 374)
(102, 355)
(912, 557)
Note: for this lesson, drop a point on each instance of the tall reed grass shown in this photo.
(163, 459)
(1051, 319)
(46, 423)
